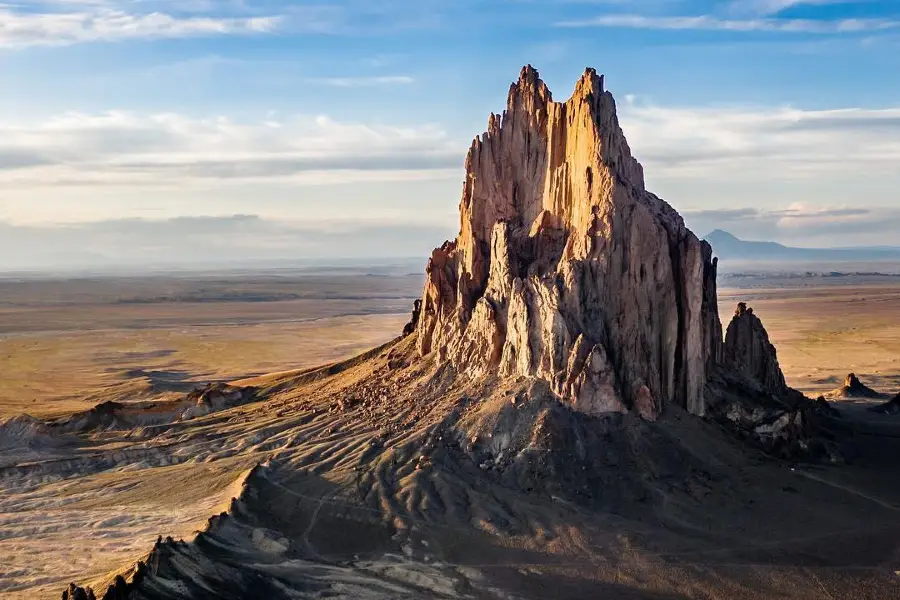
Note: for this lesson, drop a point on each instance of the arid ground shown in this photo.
(68, 345)
(80, 508)
(824, 329)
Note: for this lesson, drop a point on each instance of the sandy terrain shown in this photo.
(369, 489)
(825, 332)
(65, 346)
(68, 345)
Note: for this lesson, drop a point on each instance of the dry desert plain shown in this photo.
(66, 345)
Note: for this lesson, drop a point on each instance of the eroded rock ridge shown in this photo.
(567, 269)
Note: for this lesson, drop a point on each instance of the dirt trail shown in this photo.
(847, 489)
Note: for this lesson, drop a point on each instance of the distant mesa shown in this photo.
(729, 247)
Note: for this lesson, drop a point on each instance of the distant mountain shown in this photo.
(728, 247)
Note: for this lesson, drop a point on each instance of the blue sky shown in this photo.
(776, 119)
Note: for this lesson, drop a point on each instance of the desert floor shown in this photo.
(824, 332)
(68, 345)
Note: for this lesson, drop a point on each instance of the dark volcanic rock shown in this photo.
(748, 351)
(410, 328)
(77, 593)
(888, 408)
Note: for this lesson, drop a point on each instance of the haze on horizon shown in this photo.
(265, 129)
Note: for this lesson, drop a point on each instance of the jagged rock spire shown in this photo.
(749, 351)
(566, 268)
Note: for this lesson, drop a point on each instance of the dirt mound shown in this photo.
(853, 388)
(23, 431)
(110, 415)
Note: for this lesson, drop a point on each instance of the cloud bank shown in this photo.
(210, 241)
(133, 149)
(785, 143)
(125, 148)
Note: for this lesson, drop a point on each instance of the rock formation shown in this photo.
(410, 328)
(567, 269)
(888, 408)
(748, 350)
(852, 388)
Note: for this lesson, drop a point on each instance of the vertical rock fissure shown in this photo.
(679, 382)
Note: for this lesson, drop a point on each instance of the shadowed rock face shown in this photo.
(888, 408)
(748, 350)
(567, 269)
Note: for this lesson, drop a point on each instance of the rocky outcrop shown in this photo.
(853, 388)
(748, 351)
(748, 394)
(410, 328)
(888, 408)
(77, 593)
(567, 269)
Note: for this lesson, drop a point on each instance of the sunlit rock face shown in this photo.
(567, 269)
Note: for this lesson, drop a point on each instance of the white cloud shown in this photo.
(772, 7)
(21, 29)
(686, 144)
(763, 143)
(124, 148)
(712, 23)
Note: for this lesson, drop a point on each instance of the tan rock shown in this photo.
(566, 269)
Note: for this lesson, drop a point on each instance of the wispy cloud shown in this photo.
(363, 81)
(123, 148)
(782, 143)
(773, 7)
(712, 23)
(24, 29)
